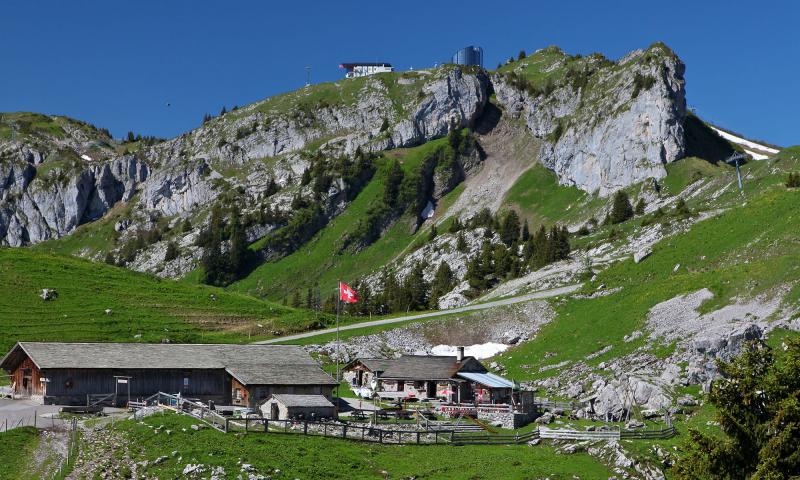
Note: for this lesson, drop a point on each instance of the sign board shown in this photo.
(122, 380)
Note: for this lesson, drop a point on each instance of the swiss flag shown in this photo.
(347, 294)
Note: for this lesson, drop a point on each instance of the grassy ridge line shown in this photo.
(314, 457)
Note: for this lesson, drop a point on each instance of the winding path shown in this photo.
(553, 292)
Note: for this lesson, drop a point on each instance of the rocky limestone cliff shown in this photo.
(180, 176)
(605, 125)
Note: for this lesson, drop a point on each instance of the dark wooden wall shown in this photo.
(69, 386)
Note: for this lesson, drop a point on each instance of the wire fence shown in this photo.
(52, 422)
(73, 443)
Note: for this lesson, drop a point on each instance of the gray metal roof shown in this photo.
(291, 400)
(376, 364)
(250, 364)
(429, 367)
(488, 379)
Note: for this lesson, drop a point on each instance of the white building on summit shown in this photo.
(362, 69)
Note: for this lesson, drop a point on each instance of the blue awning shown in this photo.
(487, 379)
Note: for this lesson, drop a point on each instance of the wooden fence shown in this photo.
(563, 434)
(349, 431)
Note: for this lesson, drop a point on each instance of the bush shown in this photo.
(793, 181)
(642, 83)
(172, 252)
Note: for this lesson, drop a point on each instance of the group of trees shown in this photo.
(145, 140)
(226, 257)
(517, 252)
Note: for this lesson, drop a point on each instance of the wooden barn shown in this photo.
(83, 373)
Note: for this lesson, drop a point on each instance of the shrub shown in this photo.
(793, 181)
(640, 206)
(172, 252)
(642, 83)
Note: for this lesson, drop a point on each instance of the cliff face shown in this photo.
(54, 177)
(605, 125)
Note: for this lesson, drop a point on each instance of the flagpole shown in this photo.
(338, 306)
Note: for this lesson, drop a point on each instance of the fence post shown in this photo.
(266, 425)
(34, 419)
(380, 436)
(246, 424)
(344, 430)
(417, 436)
(305, 427)
(324, 429)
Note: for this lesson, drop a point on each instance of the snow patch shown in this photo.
(744, 142)
(479, 351)
(428, 211)
(756, 156)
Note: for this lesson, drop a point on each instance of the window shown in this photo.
(237, 393)
(185, 382)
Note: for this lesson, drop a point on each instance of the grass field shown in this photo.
(16, 451)
(313, 457)
(144, 308)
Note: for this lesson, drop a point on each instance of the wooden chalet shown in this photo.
(83, 373)
(451, 379)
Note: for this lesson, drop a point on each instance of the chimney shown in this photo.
(459, 354)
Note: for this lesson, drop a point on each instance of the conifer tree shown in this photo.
(509, 228)
(526, 233)
(442, 283)
(392, 187)
(640, 206)
(621, 209)
(461, 243)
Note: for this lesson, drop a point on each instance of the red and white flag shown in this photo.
(347, 294)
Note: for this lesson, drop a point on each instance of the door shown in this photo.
(27, 381)
(431, 390)
(273, 411)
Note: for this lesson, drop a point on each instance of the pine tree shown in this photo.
(131, 137)
(526, 233)
(541, 248)
(392, 187)
(432, 234)
(461, 243)
(296, 301)
(621, 209)
(442, 283)
(211, 239)
(310, 298)
(509, 228)
(172, 252)
(223, 111)
(455, 226)
(415, 288)
(238, 253)
(521, 55)
(640, 206)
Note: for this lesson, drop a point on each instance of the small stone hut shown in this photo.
(288, 406)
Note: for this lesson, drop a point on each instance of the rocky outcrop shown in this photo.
(605, 125)
(35, 208)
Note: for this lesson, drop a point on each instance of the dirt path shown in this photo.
(554, 292)
(104, 453)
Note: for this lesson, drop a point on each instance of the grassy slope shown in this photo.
(16, 450)
(318, 260)
(742, 250)
(313, 457)
(141, 304)
(538, 197)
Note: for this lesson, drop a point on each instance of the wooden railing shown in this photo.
(188, 407)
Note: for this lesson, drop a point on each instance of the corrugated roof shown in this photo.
(250, 364)
(291, 400)
(488, 379)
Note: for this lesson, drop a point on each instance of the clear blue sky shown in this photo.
(117, 63)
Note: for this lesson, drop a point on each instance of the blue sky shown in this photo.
(118, 63)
